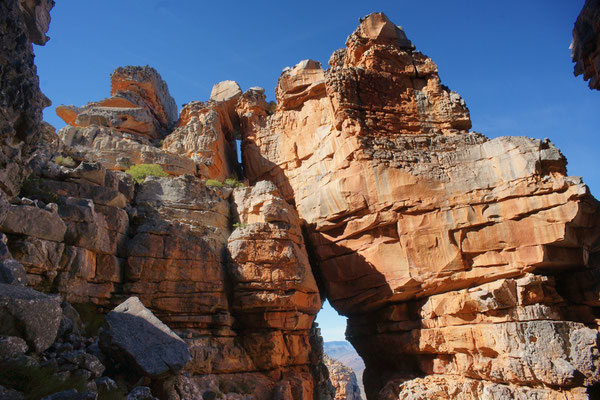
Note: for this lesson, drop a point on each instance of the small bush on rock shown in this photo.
(140, 172)
(214, 182)
(65, 161)
(233, 183)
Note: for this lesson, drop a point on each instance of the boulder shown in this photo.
(133, 335)
(12, 273)
(10, 394)
(225, 90)
(30, 315)
(12, 346)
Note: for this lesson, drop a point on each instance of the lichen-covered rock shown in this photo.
(119, 151)
(30, 315)
(12, 272)
(33, 221)
(141, 393)
(12, 346)
(133, 335)
(586, 43)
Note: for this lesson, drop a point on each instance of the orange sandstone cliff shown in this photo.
(468, 268)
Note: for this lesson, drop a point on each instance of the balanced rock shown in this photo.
(134, 336)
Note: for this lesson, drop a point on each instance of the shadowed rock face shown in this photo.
(131, 332)
(409, 215)
(21, 100)
(586, 44)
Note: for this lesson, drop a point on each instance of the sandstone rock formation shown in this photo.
(468, 267)
(404, 206)
(586, 43)
(343, 352)
(343, 380)
(124, 130)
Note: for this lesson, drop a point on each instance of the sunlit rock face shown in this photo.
(139, 124)
(586, 44)
(409, 215)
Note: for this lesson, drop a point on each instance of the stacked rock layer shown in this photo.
(458, 259)
(468, 267)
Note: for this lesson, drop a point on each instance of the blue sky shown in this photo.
(509, 60)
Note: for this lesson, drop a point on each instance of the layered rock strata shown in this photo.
(407, 212)
(136, 125)
(468, 267)
(586, 44)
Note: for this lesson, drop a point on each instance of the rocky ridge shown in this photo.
(468, 267)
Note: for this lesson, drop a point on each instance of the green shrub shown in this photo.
(65, 161)
(233, 183)
(240, 225)
(214, 182)
(141, 171)
(271, 108)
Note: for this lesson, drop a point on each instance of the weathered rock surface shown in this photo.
(30, 315)
(205, 135)
(343, 352)
(275, 296)
(134, 335)
(123, 130)
(586, 44)
(140, 104)
(12, 273)
(404, 207)
(343, 380)
(21, 101)
(468, 267)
